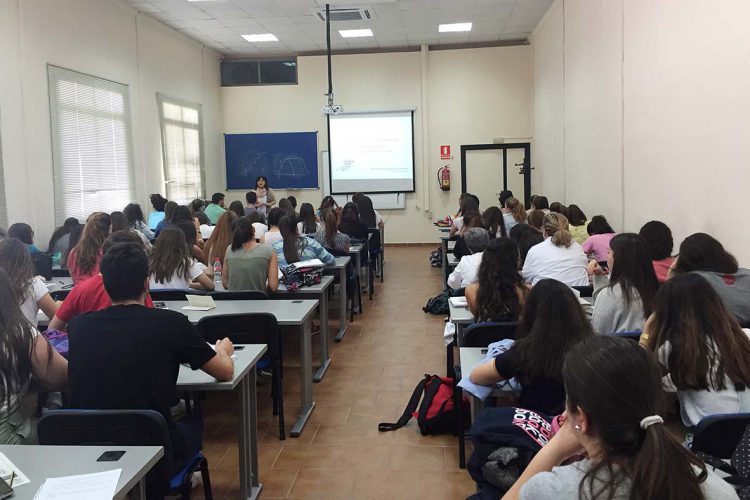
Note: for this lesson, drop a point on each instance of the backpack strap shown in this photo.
(410, 407)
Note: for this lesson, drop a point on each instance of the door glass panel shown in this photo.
(515, 176)
(484, 175)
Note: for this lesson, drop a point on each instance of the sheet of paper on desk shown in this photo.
(459, 302)
(308, 263)
(6, 471)
(84, 487)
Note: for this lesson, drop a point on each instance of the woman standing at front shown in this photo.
(266, 198)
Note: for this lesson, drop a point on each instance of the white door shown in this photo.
(484, 175)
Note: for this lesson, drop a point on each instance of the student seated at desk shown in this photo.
(294, 248)
(249, 265)
(169, 209)
(465, 273)
(470, 220)
(91, 295)
(60, 239)
(308, 223)
(15, 260)
(23, 233)
(558, 256)
(23, 353)
(623, 299)
(331, 237)
(498, 294)
(552, 322)
(134, 214)
(658, 237)
(216, 208)
(171, 265)
(274, 233)
(493, 221)
(259, 224)
(613, 418)
(220, 239)
(600, 233)
(205, 227)
(158, 202)
(577, 224)
(120, 223)
(467, 203)
(127, 357)
(704, 352)
(525, 237)
(191, 238)
(350, 223)
(83, 260)
(367, 213)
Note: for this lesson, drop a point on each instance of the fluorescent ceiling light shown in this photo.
(451, 28)
(355, 33)
(262, 37)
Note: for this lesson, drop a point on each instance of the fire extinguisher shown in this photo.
(444, 178)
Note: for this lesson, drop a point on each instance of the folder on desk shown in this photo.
(459, 302)
(199, 303)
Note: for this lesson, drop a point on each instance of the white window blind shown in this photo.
(181, 145)
(92, 144)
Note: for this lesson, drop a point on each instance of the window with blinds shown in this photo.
(92, 144)
(181, 145)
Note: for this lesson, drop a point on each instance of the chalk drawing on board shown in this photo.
(253, 163)
(290, 166)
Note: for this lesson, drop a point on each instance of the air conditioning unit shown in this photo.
(340, 14)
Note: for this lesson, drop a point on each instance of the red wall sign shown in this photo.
(445, 152)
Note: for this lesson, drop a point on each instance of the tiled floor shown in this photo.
(375, 368)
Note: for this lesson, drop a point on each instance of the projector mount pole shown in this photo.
(328, 47)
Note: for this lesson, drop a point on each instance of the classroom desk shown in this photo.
(459, 316)
(444, 239)
(247, 421)
(340, 268)
(288, 313)
(452, 262)
(58, 283)
(320, 293)
(41, 462)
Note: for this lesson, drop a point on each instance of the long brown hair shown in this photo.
(493, 221)
(499, 282)
(170, 257)
(294, 244)
(221, 238)
(89, 248)
(617, 384)
(16, 342)
(556, 226)
(517, 210)
(331, 222)
(707, 343)
(16, 262)
(633, 271)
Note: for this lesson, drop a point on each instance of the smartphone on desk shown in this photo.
(111, 456)
(160, 305)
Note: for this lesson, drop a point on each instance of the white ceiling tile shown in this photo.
(229, 14)
(191, 16)
(241, 24)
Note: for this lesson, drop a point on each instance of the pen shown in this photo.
(12, 477)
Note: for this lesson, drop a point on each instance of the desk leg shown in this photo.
(358, 262)
(248, 430)
(325, 358)
(306, 389)
(343, 316)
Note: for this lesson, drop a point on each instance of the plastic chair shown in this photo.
(722, 437)
(126, 428)
(477, 335)
(59, 294)
(240, 295)
(369, 263)
(376, 250)
(252, 328)
(352, 278)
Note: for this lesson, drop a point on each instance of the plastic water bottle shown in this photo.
(56, 259)
(217, 270)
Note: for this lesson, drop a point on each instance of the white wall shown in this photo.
(472, 96)
(108, 39)
(655, 107)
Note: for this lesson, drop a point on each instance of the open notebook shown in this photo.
(199, 303)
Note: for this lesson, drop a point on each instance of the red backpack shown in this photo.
(436, 414)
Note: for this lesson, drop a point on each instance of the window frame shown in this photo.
(161, 99)
(55, 74)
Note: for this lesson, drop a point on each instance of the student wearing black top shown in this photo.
(128, 356)
(552, 321)
(350, 223)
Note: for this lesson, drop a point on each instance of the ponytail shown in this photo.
(329, 219)
(556, 226)
(663, 468)
(288, 227)
(244, 231)
(517, 210)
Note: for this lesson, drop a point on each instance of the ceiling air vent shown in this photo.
(339, 14)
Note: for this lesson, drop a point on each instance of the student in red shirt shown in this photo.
(90, 295)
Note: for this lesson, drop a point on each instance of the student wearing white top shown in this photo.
(273, 234)
(172, 266)
(704, 351)
(465, 273)
(614, 399)
(469, 203)
(308, 223)
(257, 220)
(15, 260)
(558, 257)
(205, 228)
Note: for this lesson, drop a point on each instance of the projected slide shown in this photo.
(372, 152)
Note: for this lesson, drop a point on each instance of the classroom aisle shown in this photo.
(375, 368)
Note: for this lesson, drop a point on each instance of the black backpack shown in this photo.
(436, 414)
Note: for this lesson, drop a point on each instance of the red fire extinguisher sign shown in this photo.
(445, 152)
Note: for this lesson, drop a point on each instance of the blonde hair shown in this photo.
(517, 210)
(556, 226)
